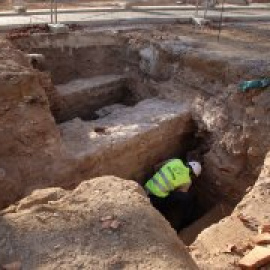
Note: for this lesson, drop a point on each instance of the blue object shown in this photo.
(246, 85)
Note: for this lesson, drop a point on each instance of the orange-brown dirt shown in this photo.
(174, 63)
(205, 74)
(222, 245)
(31, 152)
(105, 223)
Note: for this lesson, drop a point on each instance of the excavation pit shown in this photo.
(104, 123)
(110, 126)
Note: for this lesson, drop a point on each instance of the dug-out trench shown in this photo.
(109, 127)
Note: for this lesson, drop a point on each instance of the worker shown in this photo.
(169, 191)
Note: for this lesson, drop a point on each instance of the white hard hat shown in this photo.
(196, 167)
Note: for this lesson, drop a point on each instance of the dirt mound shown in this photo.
(105, 223)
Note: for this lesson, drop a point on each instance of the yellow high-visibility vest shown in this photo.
(171, 176)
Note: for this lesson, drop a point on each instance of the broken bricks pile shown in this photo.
(260, 254)
(242, 239)
(110, 222)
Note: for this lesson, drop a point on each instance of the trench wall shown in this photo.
(31, 152)
(79, 55)
(233, 126)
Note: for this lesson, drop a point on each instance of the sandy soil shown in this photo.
(105, 223)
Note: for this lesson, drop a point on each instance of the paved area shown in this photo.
(8, 20)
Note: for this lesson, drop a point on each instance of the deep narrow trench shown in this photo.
(208, 206)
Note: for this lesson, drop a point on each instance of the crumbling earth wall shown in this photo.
(232, 125)
(79, 54)
(31, 152)
(105, 223)
(222, 245)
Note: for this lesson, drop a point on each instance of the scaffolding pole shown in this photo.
(55, 11)
(51, 10)
(220, 20)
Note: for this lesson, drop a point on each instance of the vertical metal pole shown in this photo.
(221, 20)
(55, 11)
(51, 10)
(206, 9)
(197, 9)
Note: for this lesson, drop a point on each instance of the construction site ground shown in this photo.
(107, 15)
(90, 113)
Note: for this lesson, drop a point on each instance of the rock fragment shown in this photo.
(109, 222)
(115, 224)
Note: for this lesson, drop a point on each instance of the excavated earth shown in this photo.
(58, 229)
(118, 101)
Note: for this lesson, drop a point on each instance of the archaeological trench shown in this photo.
(85, 118)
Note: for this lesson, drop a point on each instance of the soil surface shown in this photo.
(105, 223)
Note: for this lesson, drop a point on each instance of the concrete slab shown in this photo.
(227, 7)
(58, 28)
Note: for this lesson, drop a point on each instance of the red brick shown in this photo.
(262, 239)
(257, 257)
(265, 228)
(12, 266)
